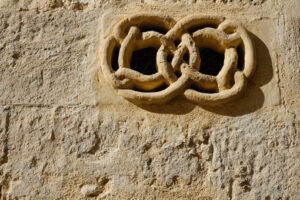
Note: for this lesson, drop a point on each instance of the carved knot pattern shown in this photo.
(174, 74)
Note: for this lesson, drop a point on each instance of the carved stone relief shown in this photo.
(179, 65)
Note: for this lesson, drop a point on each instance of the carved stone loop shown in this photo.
(173, 41)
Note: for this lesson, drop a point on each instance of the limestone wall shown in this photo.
(65, 133)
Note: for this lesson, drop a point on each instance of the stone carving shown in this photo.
(178, 61)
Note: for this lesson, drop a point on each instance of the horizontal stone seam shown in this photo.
(40, 10)
(47, 105)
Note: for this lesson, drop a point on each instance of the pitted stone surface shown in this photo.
(65, 133)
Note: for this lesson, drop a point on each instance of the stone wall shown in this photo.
(65, 133)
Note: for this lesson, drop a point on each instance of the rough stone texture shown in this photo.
(65, 134)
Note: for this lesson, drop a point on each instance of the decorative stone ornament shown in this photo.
(178, 60)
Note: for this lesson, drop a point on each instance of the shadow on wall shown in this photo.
(252, 100)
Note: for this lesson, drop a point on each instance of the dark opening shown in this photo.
(158, 29)
(144, 61)
(170, 58)
(186, 57)
(178, 73)
(164, 86)
(177, 42)
(211, 61)
(114, 59)
(196, 28)
(240, 53)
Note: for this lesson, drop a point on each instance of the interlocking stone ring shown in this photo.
(173, 40)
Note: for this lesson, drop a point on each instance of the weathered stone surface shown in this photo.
(66, 134)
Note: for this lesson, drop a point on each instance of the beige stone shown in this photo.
(66, 133)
